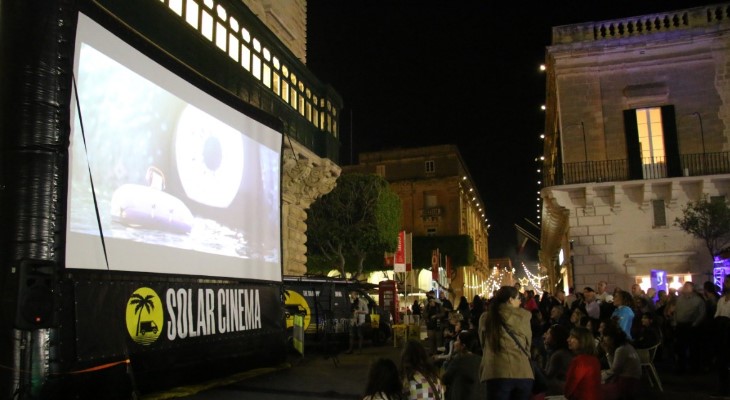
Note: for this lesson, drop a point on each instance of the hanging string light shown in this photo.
(532, 280)
(492, 283)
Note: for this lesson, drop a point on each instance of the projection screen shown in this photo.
(184, 183)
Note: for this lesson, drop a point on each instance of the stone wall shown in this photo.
(305, 177)
(287, 19)
(613, 234)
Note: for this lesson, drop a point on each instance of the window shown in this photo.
(651, 142)
(660, 216)
(431, 232)
(430, 167)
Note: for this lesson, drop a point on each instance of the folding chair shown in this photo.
(646, 357)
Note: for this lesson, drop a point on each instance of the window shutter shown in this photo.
(671, 144)
(633, 150)
(660, 216)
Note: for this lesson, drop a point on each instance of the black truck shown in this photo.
(327, 309)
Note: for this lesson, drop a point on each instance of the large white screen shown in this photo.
(184, 184)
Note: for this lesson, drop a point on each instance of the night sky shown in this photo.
(418, 73)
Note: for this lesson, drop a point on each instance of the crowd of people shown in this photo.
(589, 344)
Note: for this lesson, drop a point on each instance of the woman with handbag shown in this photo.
(505, 364)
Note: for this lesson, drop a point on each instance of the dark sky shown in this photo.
(417, 73)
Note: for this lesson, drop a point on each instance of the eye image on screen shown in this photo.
(183, 183)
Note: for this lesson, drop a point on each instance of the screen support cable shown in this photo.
(91, 179)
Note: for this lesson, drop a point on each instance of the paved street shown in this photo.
(317, 377)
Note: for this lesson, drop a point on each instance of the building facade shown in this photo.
(439, 198)
(637, 126)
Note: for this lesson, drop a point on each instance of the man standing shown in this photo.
(637, 291)
(592, 306)
(689, 313)
(359, 314)
(601, 294)
(433, 314)
(623, 314)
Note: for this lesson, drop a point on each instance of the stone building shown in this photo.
(439, 198)
(637, 126)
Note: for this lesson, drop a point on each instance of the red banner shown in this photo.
(435, 263)
(449, 272)
(409, 251)
(400, 253)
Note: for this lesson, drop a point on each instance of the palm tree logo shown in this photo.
(144, 316)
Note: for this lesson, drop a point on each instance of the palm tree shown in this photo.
(142, 303)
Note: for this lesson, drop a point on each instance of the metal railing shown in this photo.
(652, 168)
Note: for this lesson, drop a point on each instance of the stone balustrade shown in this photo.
(707, 17)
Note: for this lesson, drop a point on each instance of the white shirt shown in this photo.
(361, 311)
(723, 307)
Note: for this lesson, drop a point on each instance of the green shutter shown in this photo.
(633, 149)
(671, 144)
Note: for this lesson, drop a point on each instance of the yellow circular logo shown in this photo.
(296, 304)
(144, 316)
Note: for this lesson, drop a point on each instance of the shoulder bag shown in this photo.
(541, 381)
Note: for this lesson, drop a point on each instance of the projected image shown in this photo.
(177, 175)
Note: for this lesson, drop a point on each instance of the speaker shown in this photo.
(37, 299)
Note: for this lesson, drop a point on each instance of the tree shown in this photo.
(708, 220)
(361, 217)
(142, 303)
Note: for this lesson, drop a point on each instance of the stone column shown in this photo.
(305, 177)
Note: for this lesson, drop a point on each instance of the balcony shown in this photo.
(653, 168)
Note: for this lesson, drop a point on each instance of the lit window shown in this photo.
(245, 57)
(220, 36)
(651, 141)
(221, 12)
(207, 25)
(285, 90)
(234, 24)
(277, 87)
(233, 46)
(267, 76)
(256, 67)
(191, 13)
(431, 232)
(176, 6)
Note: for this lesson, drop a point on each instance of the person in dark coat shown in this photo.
(462, 373)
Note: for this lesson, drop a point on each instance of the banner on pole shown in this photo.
(409, 251)
(435, 262)
(399, 264)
